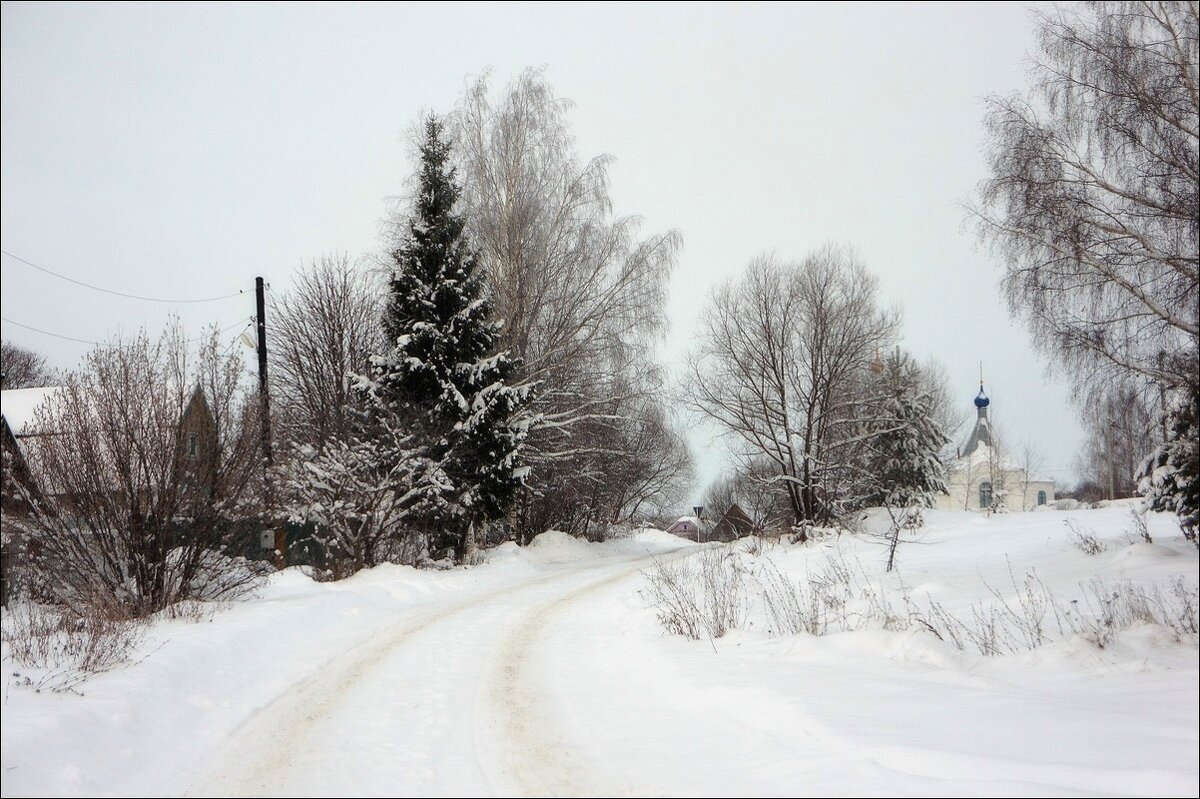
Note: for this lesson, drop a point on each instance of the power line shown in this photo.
(247, 323)
(240, 323)
(48, 333)
(115, 293)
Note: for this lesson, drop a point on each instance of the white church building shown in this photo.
(982, 478)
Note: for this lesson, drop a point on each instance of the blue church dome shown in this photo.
(981, 399)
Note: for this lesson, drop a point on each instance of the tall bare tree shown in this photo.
(719, 495)
(761, 495)
(781, 366)
(579, 291)
(1093, 195)
(1094, 204)
(652, 470)
(945, 406)
(1119, 434)
(324, 329)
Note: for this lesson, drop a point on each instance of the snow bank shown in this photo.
(554, 546)
(652, 535)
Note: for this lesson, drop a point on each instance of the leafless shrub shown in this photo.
(1138, 531)
(1084, 539)
(190, 610)
(1035, 615)
(791, 608)
(1027, 610)
(700, 596)
(944, 625)
(759, 545)
(1185, 599)
(145, 489)
(840, 596)
(1108, 608)
(66, 647)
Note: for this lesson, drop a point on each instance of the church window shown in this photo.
(985, 494)
(1041, 497)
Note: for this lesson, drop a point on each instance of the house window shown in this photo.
(1041, 497)
(193, 446)
(985, 494)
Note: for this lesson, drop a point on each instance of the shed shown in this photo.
(734, 524)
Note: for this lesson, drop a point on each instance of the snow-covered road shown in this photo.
(449, 701)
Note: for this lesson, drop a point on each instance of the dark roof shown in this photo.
(734, 523)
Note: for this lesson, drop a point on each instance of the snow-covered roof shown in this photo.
(983, 455)
(19, 406)
(692, 520)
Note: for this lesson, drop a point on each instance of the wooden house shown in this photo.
(22, 433)
(734, 524)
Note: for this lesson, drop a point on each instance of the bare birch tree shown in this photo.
(579, 291)
(1092, 199)
(1119, 434)
(1094, 204)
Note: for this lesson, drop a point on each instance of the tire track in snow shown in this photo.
(296, 714)
(537, 762)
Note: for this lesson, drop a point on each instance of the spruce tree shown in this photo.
(443, 379)
(905, 451)
(1170, 477)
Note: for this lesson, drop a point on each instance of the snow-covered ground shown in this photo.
(546, 671)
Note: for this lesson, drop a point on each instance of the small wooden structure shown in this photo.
(734, 524)
(686, 527)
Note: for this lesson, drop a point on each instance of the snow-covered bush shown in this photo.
(357, 500)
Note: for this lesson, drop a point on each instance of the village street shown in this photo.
(454, 700)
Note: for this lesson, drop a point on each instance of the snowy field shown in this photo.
(546, 671)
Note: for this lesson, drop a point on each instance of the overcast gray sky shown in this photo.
(178, 151)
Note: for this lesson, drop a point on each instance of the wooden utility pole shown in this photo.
(264, 398)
